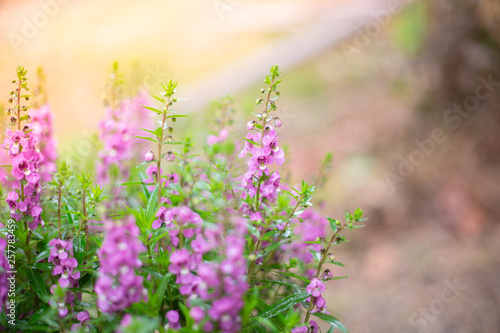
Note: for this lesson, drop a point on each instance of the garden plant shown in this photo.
(156, 232)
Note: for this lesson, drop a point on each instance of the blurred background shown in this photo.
(404, 93)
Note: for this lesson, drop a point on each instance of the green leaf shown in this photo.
(331, 320)
(338, 277)
(160, 292)
(294, 276)
(292, 285)
(273, 246)
(153, 109)
(336, 263)
(313, 242)
(68, 215)
(333, 223)
(39, 314)
(149, 131)
(42, 255)
(37, 283)
(316, 255)
(145, 138)
(43, 266)
(284, 304)
(79, 248)
(135, 183)
(252, 142)
(358, 213)
(152, 205)
(348, 217)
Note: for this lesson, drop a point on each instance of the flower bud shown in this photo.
(170, 157)
(331, 257)
(150, 156)
(277, 122)
(326, 275)
(251, 125)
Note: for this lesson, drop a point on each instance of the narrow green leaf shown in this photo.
(160, 292)
(145, 138)
(79, 248)
(153, 109)
(37, 283)
(294, 276)
(331, 320)
(284, 304)
(68, 215)
(316, 255)
(39, 314)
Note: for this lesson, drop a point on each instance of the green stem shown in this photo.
(160, 142)
(318, 271)
(85, 220)
(59, 194)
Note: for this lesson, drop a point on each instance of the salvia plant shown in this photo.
(158, 233)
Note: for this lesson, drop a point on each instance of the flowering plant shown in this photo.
(171, 237)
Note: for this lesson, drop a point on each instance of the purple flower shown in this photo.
(277, 122)
(326, 275)
(249, 146)
(314, 328)
(315, 288)
(62, 302)
(319, 304)
(173, 320)
(170, 157)
(64, 265)
(260, 159)
(223, 135)
(182, 215)
(117, 286)
(225, 284)
(181, 265)
(120, 146)
(313, 225)
(197, 313)
(126, 321)
(83, 317)
(43, 134)
(65, 268)
(150, 156)
(250, 125)
(25, 159)
(300, 329)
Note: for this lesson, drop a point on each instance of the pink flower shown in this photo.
(150, 156)
(315, 288)
(25, 160)
(43, 134)
(173, 320)
(117, 286)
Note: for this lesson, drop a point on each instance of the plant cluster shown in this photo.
(160, 234)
